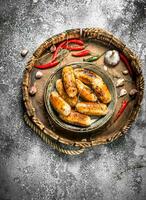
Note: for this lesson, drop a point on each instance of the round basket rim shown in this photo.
(105, 37)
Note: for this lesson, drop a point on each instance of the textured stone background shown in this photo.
(29, 169)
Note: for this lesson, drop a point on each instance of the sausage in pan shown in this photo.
(60, 89)
(85, 92)
(90, 78)
(85, 75)
(101, 91)
(92, 108)
(69, 81)
(59, 104)
(76, 118)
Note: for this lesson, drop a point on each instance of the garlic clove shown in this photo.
(120, 82)
(53, 48)
(112, 58)
(105, 67)
(38, 75)
(123, 92)
(24, 52)
(133, 92)
(32, 90)
(125, 72)
(84, 140)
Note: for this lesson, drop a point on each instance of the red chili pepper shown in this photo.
(76, 41)
(57, 50)
(126, 62)
(74, 48)
(82, 53)
(47, 65)
(121, 110)
(60, 46)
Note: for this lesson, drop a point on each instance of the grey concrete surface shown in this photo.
(31, 170)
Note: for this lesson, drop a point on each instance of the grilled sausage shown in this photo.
(60, 89)
(69, 81)
(90, 78)
(101, 91)
(92, 108)
(59, 104)
(85, 92)
(76, 118)
(85, 75)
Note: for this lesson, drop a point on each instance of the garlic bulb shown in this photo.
(112, 58)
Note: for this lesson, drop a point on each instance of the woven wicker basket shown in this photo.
(70, 144)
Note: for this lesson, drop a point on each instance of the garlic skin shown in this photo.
(123, 92)
(32, 90)
(39, 75)
(112, 58)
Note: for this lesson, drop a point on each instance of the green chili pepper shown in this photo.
(91, 59)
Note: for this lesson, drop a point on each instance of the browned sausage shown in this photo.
(76, 118)
(101, 91)
(85, 75)
(85, 92)
(59, 104)
(69, 81)
(60, 89)
(92, 108)
(90, 78)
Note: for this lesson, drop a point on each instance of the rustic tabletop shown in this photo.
(29, 169)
